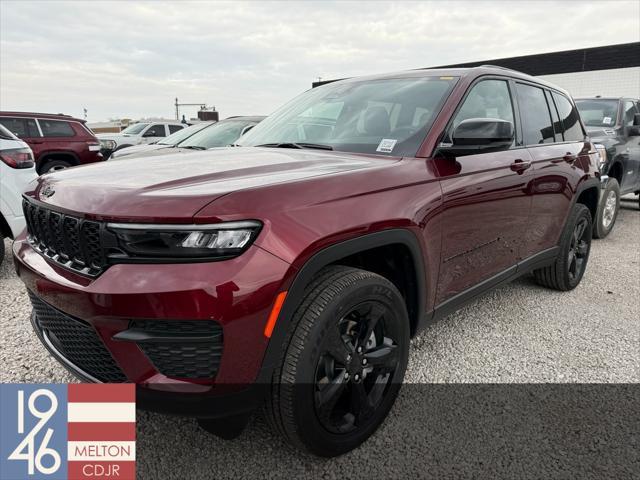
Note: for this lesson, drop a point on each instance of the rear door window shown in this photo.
(570, 119)
(56, 128)
(537, 127)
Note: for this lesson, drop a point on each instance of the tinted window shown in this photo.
(535, 115)
(155, 131)
(487, 99)
(557, 126)
(17, 126)
(628, 112)
(56, 128)
(174, 128)
(569, 118)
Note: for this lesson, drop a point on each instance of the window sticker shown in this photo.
(386, 145)
(606, 120)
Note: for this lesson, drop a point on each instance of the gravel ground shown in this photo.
(520, 333)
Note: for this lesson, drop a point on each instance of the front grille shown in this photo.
(188, 349)
(70, 241)
(77, 341)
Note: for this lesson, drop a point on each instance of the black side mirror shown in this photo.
(476, 135)
(636, 119)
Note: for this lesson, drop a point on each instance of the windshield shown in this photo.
(182, 134)
(219, 134)
(389, 117)
(134, 129)
(598, 113)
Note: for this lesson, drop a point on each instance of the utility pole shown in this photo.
(203, 106)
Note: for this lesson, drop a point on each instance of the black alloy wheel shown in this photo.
(579, 249)
(342, 363)
(354, 371)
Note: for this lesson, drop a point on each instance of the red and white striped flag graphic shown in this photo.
(102, 431)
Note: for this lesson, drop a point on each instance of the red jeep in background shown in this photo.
(58, 141)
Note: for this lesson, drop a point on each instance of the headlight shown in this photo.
(108, 144)
(602, 154)
(215, 241)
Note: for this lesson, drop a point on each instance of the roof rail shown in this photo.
(497, 66)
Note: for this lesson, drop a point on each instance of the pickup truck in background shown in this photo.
(615, 124)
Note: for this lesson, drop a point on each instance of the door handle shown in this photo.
(519, 166)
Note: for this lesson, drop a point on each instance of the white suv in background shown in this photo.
(17, 170)
(137, 134)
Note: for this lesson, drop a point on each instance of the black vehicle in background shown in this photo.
(615, 124)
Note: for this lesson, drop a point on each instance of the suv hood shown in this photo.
(172, 188)
(113, 136)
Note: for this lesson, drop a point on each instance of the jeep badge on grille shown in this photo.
(47, 191)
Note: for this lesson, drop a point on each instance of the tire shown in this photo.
(54, 165)
(608, 209)
(336, 315)
(571, 262)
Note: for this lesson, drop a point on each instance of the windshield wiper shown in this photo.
(193, 147)
(317, 146)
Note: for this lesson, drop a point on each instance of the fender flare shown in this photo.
(327, 256)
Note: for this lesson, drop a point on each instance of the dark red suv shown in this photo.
(57, 141)
(290, 271)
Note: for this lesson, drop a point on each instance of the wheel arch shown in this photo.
(49, 155)
(589, 196)
(616, 170)
(350, 252)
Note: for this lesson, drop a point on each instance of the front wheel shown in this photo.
(607, 209)
(343, 363)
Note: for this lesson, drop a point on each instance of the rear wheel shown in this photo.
(607, 209)
(575, 244)
(343, 363)
(54, 165)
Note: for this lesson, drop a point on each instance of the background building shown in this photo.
(609, 71)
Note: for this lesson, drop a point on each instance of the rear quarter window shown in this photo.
(569, 118)
(56, 128)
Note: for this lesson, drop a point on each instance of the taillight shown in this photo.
(17, 157)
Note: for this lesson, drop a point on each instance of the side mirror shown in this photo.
(476, 135)
(636, 119)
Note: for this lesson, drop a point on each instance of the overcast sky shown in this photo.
(131, 60)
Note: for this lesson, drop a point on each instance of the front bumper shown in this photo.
(237, 294)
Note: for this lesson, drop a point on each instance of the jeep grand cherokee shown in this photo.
(290, 272)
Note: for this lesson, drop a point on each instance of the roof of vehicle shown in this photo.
(57, 116)
(598, 97)
(458, 72)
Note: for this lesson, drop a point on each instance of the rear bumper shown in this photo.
(237, 294)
